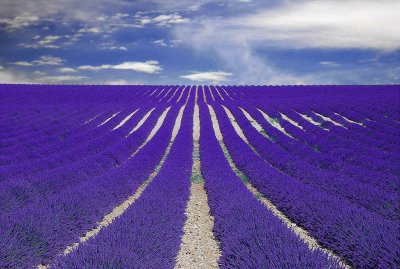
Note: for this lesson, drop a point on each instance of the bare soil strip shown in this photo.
(107, 120)
(153, 131)
(236, 125)
(199, 248)
(125, 120)
(349, 120)
(309, 119)
(153, 92)
(256, 125)
(165, 95)
(141, 122)
(121, 208)
(286, 118)
(300, 232)
(160, 92)
(212, 95)
(204, 95)
(173, 94)
(273, 122)
(89, 120)
(226, 92)
(219, 93)
(180, 96)
(329, 119)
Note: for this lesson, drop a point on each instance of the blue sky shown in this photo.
(199, 42)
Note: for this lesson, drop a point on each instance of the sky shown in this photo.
(229, 42)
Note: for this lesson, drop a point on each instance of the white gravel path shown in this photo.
(199, 248)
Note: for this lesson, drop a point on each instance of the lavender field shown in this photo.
(199, 176)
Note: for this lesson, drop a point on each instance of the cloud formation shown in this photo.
(212, 76)
(161, 20)
(143, 67)
(66, 70)
(43, 60)
(20, 21)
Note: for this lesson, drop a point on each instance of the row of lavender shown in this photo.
(350, 205)
(67, 176)
(69, 184)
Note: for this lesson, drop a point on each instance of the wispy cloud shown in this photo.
(66, 70)
(161, 20)
(59, 79)
(43, 60)
(211, 76)
(45, 42)
(92, 30)
(160, 42)
(329, 64)
(143, 67)
(361, 24)
(20, 21)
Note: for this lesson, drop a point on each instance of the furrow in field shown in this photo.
(272, 121)
(294, 123)
(215, 88)
(141, 122)
(121, 208)
(281, 155)
(312, 121)
(311, 242)
(226, 92)
(160, 92)
(204, 95)
(165, 94)
(335, 223)
(169, 100)
(199, 248)
(325, 118)
(349, 120)
(125, 120)
(153, 131)
(89, 120)
(107, 120)
(153, 92)
(182, 92)
(211, 93)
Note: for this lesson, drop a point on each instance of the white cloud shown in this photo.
(7, 76)
(60, 79)
(293, 24)
(43, 60)
(160, 42)
(46, 42)
(22, 63)
(329, 64)
(66, 70)
(214, 77)
(144, 67)
(118, 48)
(93, 30)
(162, 20)
(94, 68)
(48, 39)
(39, 73)
(362, 24)
(20, 21)
(1, 67)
